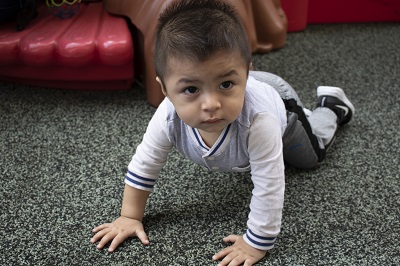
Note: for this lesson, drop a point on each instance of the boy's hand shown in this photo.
(239, 253)
(118, 231)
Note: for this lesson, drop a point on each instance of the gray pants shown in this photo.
(306, 136)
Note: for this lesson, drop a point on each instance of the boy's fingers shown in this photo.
(107, 238)
(118, 239)
(226, 251)
(222, 253)
(233, 259)
(231, 238)
(249, 262)
(100, 227)
(143, 237)
(99, 235)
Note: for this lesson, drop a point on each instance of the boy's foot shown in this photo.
(335, 99)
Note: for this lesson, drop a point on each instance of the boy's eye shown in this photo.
(226, 85)
(190, 90)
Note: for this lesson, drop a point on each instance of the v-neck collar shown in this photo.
(219, 144)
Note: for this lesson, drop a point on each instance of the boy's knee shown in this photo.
(302, 163)
(298, 150)
(300, 156)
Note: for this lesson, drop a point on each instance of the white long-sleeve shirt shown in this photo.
(253, 142)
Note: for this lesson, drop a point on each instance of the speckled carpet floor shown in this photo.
(63, 157)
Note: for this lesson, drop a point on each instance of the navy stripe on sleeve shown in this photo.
(140, 180)
(260, 241)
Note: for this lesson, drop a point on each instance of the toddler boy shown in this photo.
(224, 117)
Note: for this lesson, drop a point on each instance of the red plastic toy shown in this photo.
(91, 50)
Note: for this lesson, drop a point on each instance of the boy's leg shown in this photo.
(333, 109)
(301, 147)
(307, 137)
(324, 124)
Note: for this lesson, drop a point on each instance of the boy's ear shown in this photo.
(162, 86)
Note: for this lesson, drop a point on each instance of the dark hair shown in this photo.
(197, 29)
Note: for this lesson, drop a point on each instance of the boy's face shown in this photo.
(207, 95)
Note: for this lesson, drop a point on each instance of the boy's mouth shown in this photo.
(213, 121)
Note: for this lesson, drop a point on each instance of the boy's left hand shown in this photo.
(239, 253)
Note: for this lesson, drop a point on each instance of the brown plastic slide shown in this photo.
(264, 20)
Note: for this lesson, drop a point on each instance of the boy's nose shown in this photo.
(211, 102)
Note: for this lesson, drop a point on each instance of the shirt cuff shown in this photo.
(258, 241)
(139, 182)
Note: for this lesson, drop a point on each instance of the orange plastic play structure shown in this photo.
(264, 20)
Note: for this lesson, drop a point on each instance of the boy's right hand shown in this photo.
(118, 231)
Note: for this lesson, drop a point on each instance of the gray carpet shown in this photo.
(64, 154)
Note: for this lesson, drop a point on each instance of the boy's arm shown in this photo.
(143, 171)
(134, 203)
(268, 176)
(267, 170)
(151, 154)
